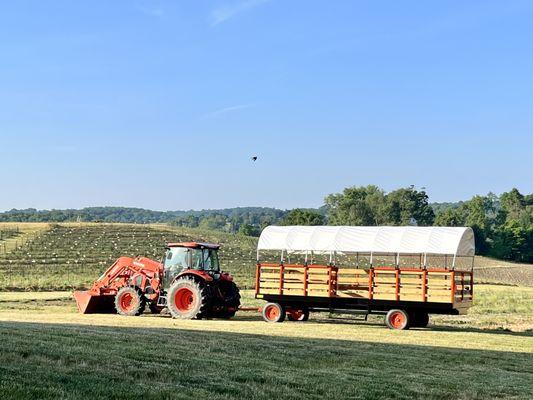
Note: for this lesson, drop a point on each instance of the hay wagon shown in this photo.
(405, 273)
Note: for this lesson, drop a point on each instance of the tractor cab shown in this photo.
(180, 257)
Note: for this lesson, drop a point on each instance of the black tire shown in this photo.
(273, 312)
(130, 301)
(397, 319)
(420, 319)
(154, 309)
(302, 318)
(188, 299)
(232, 301)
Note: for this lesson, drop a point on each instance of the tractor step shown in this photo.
(162, 301)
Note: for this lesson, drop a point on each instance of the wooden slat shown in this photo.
(360, 295)
(345, 286)
(269, 275)
(348, 281)
(343, 271)
(293, 285)
(438, 291)
(317, 271)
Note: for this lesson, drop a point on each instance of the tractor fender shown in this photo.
(224, 276)
(204, 276)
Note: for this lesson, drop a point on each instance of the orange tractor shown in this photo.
(188, 283)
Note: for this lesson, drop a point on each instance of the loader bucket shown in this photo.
(89, 304)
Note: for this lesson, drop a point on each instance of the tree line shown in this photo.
(503, 225)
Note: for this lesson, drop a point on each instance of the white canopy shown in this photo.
(369, 239)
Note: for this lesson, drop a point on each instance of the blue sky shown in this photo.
(161, 104)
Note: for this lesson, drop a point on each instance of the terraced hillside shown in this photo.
(73, 255)
(64, 256)
(488, 270)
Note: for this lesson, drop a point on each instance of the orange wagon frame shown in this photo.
(416, 291)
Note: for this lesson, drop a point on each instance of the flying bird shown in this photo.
(254, 158)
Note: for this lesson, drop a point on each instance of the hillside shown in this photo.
(61, 256)
(72, 255)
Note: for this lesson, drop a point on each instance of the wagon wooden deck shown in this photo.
(450, 288)
(380, 283)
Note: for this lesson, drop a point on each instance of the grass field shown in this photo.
(50, 351)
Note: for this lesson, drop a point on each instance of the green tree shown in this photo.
(249, 230)
(513, 204)
(513, 241)
(300, 216)
(370, 205)
(356, 206)
(513, 233)
(479, 215)
(450, 217)
(408, 205)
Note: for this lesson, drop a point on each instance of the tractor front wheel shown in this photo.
(188, 299)
(273, 312)
(129, 301)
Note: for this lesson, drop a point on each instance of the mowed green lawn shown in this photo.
(49, 351)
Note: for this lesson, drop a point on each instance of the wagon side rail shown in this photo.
(377, 283)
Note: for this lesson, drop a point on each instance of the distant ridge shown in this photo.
(128, 214)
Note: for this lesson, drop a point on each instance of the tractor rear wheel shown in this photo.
(130, 301)
(273, 312)
(188, 299)
(397, 319)
(298, 315)
(232, 301)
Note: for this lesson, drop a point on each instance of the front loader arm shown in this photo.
(141, 272)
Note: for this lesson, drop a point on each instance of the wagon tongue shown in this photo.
(94, 304)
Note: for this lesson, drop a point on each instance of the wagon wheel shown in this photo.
(298, 315)
(397, 319)
(129, 301)
(273, 312)
(420, 319)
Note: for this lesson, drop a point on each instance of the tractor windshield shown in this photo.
(177, 259)
(180, 258)
(205, 259)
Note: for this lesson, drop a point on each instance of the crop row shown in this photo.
(8, 234)
(74, 256)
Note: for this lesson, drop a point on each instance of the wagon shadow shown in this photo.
(374, 322)
(448, 328)
(435, 328)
